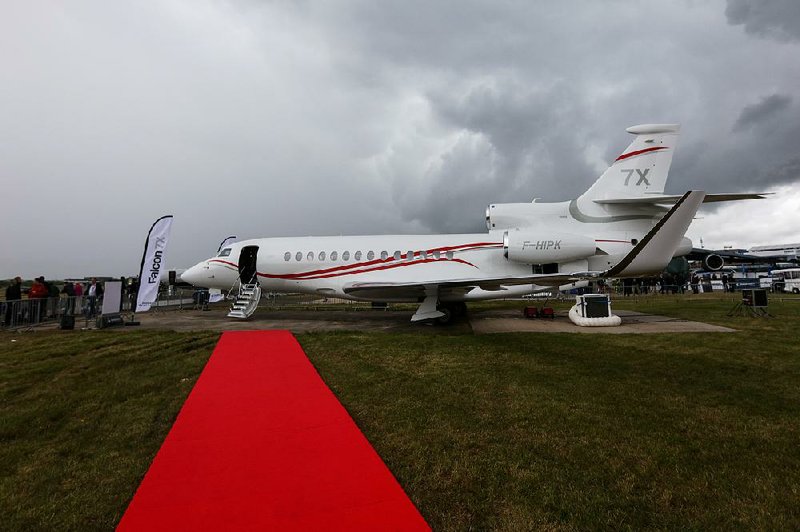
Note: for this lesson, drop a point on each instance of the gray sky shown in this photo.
(351, 117)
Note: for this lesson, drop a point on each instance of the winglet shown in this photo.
(656, 249)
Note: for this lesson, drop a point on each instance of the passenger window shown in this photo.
(449, 254)
(370, 255)
(436, 255)
(310, 256)
(321, 256)
(287, 256)
(225, 252)
(346, 255)
(423, 254)
(384, 255)
(333, 255)
(298, 256)
(410, 255)
(357, 256)
(397, 255)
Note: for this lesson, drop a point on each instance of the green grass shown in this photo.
(520, 431)
(81, 417)
(508, 431)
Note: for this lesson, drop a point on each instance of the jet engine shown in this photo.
(543, 247)
(713, 263)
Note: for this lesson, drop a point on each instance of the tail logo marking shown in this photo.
(639, 152)
(641, 173)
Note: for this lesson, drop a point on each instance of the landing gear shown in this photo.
(450, 311)
(446, 317)
(431, 310)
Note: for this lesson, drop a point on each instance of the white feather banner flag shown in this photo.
(152, 263)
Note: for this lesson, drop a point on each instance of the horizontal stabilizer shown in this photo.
(668, 200)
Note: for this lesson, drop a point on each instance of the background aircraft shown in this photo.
(622, 226)
(715, 260)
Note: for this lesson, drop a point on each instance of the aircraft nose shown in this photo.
(196, 274)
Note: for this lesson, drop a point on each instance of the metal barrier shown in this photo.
(26, 313)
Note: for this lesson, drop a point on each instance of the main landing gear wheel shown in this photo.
(459, 309)
(451, 311)
(446, 318)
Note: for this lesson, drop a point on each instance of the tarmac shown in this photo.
(489, 322)
(476, 322)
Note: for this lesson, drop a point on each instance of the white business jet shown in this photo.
(623, 226)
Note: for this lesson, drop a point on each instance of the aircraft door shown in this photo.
(248, 264)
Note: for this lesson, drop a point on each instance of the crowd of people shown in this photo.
(44, 299)
(669, 283)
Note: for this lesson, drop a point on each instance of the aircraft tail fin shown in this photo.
(656, 249)
(641, 169)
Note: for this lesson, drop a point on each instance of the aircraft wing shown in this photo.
(733, 256)
(650, 255)
(668, 199)
(419, 290)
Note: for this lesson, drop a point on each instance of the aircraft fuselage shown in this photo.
(325, 265)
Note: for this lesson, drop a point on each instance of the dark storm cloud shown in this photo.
(787, 171)
(287, 118)
(764, 111)
(534, 109)
(760, 154)
(512, 148)
(778, 19)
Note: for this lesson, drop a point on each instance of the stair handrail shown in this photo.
(230, 290)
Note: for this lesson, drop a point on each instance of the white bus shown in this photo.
(787, 280)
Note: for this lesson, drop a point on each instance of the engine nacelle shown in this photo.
(713, 263)
(544, 247)
(508, 215)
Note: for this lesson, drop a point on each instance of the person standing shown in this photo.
(123, 294)
(69, 290)
(78, 289)
(13, 295)
(37, 295)
(93, 291)
(133, 292)
(52, 298)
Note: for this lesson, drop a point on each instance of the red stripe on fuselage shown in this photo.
(639, 152)
(467, 247)
(307, 277)
(338, 270)
(225, 262)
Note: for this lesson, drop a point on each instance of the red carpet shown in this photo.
(263, 444)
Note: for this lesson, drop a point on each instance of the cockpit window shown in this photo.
(225, 252)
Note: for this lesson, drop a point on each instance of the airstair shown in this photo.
(246, 301)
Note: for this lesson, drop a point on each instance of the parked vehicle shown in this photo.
(787, 280)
